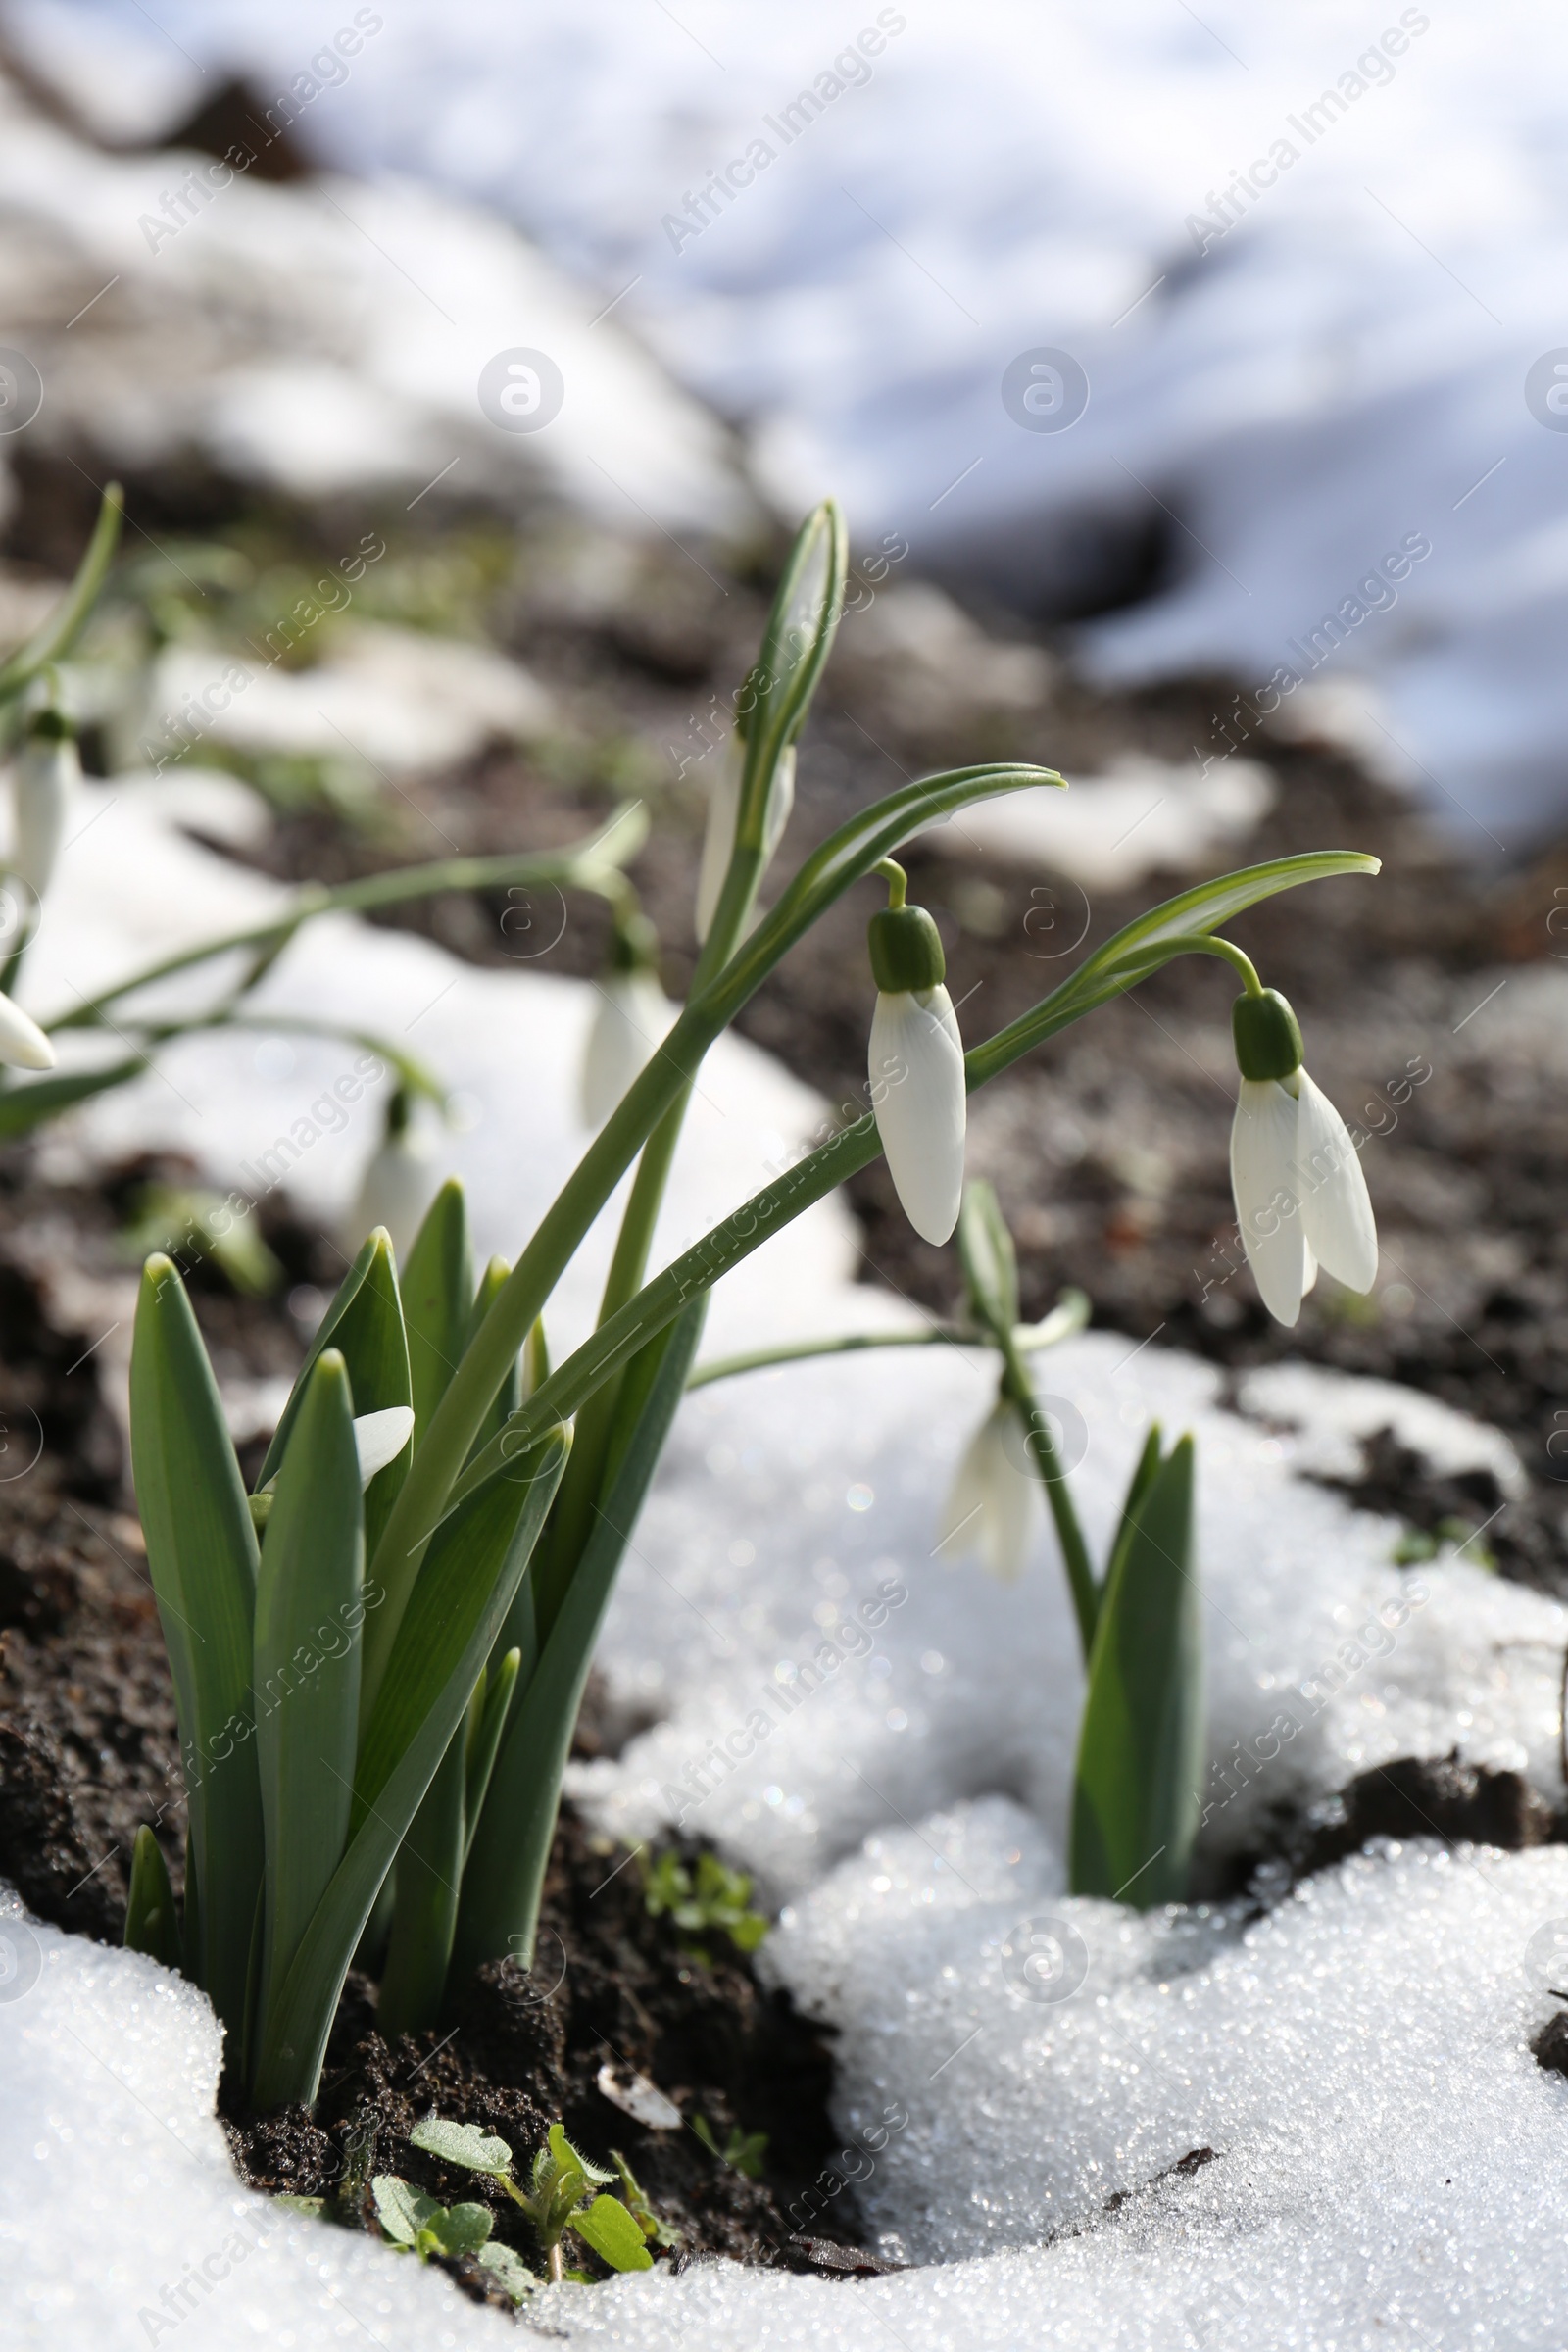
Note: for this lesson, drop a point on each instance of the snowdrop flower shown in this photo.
(398, 1184)
(1300, 1196)
(917, 1065)
(631, 1020)
(724, 813)
(46, 773)
(23, 1044)
(990, 1503)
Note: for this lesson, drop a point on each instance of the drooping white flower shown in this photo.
(990, 1509)
(46, 773)
(397, 1188)
(631, 1018)
(23, 1044)
(724, 813)
(917, 1070)
(379, 1438)
(1301, 1194)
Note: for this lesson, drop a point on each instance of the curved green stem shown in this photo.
(1027, 1338)
(1018, 1390)
(588, 866)
(1199, 944)
(59, 633)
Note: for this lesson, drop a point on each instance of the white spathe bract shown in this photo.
(46, 773)
(723, 812)
(629, 1022)
(395, 1190)
(23, 1044)
(1300, 1195)
(918, 1092)
(991, 1502)
(379, 1438)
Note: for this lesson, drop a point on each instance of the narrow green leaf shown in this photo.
(461, 2143)
(990, 1262)
(463, 1594)
(1145, 1471)
(23, 1107)
(1137, 1796)
(507, 1397)
(152, 1924)
(613, 2235)
(430, 1871)
(484, 1736)
(364, 1324)
(201, 1555)
(1126, 958)
(437, 1301)
(796, 640)
(511, 1845)
(309, 1610)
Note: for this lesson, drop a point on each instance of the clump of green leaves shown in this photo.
(704, 1897)
(565, 2191)
(743, 2151)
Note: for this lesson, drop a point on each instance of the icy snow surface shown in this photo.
(1389, 2159)
(1342, 370)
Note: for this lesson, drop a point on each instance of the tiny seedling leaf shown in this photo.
(401, 2210)
(564, 2155)
(461, 2229)
(461, 2143)
(151, 1924)
(613, 2235)
(509, 2267)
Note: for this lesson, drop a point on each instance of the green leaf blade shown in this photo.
(309, 1611)
(1137, 1795)
(462, 2143)
(152, 1924)
(613, 2235)
(202, 1557)
(438, 1291)
(406, 1736)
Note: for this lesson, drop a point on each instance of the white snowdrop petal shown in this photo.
(629, 1021)
(718, 841)
(918, 1089)
(1337, 1211)
(396, 1190)
(23, 1044)
(1263, 1183)
(990, 1505)
(379, 1438)
(45, 775)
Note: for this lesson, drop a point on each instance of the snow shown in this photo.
(1329, 386)
(324, 337)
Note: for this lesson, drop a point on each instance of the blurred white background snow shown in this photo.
(1287, 403)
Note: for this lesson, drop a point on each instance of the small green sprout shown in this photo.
(637, 2205)
(743, 2151)
(417, 2225)
(715, 1897)
(1420, 1544)
(562, 2195)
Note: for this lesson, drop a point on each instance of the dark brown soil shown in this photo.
(613, 1988)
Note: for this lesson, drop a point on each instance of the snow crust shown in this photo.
(1321, 371)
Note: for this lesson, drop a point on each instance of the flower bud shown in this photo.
(919, 1088)
(629, 1023)
(46, 773)
(398, 1183)
(23, 1044)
